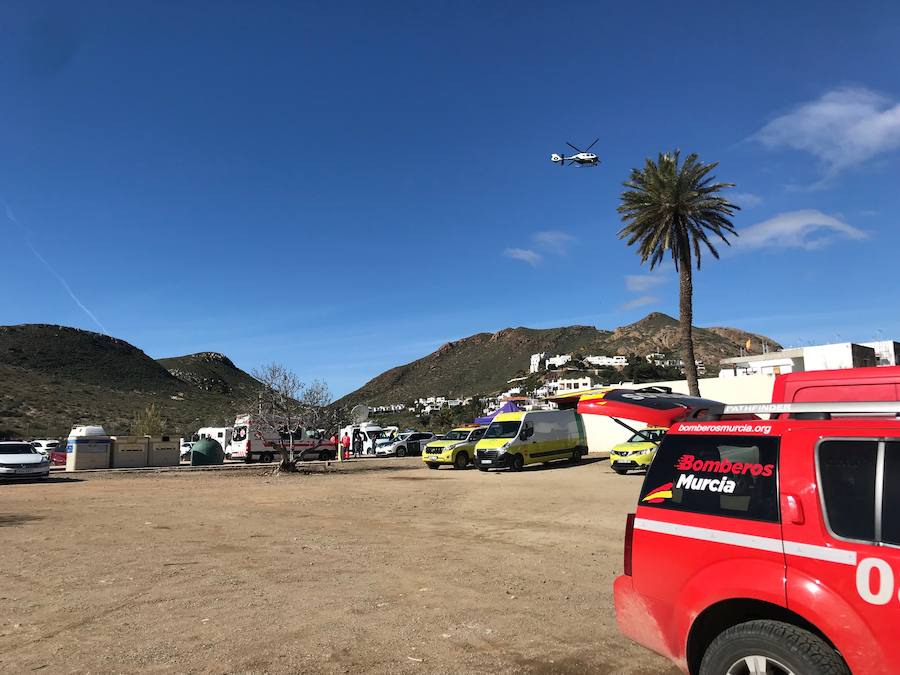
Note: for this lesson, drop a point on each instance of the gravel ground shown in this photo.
(399, 570)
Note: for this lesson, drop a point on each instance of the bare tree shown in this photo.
(286, 405)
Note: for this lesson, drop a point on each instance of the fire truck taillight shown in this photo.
(629, 540)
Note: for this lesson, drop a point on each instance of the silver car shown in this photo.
(19, 459)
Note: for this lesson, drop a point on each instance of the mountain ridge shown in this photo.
(484, 362)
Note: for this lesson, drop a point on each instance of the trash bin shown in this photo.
(87, 447)
(164, 451)
(129, 452)
(206, 452)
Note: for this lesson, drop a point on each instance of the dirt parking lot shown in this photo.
(401, 570)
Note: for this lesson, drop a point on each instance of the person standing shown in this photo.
(345, 445)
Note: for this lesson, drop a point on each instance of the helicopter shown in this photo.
(581, 157)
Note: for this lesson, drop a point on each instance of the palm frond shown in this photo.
(672, 208)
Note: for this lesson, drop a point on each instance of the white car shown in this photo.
(45, 447)
(407, 443)
(19, 459)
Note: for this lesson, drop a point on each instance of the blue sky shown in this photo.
(343, 187)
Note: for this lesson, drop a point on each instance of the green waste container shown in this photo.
(207, 451)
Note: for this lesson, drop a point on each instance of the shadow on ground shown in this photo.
(15, 519)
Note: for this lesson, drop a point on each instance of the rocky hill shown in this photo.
(484, 362)
(53, 377)
(210, 371)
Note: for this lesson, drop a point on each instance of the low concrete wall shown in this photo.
(602, 433)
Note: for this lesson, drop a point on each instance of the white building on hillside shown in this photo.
(567, 385)
(613, 361)
(536, 359)
(558, 361)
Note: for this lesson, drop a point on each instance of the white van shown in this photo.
(515, 439)
(367, 433)
(250, 440)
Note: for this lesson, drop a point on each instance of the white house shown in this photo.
(612, 361)
(536, 359)
(558, 361)
(570, 384)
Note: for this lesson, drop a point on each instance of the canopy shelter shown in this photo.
(509, 406)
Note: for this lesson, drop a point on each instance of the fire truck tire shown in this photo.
(248, 458)
(754, 646)
(266, 457)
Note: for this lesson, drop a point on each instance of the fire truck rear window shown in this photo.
(732, 476)
(847, 474)
(890, 508)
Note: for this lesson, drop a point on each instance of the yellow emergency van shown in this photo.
(516, 439)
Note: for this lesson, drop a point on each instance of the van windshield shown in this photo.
(506, 429)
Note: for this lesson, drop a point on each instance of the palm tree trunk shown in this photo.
(686, 309)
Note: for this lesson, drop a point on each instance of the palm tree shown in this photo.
(672, 209)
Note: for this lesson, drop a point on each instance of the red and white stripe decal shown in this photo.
(752, 541)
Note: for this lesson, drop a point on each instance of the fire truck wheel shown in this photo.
(248, 458)
(770, 647)
(267, 457)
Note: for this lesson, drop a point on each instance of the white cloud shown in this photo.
(640, 301)
(808, 229)
(550, 241)
(843, 128)
(524, 254)
(641, 283)
(744, 199)
(553, 241)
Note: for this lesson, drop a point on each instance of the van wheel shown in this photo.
(576, 455)
(770, 647)
(461, 461)
(401, 451)
(266, 457)
(517, 462)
